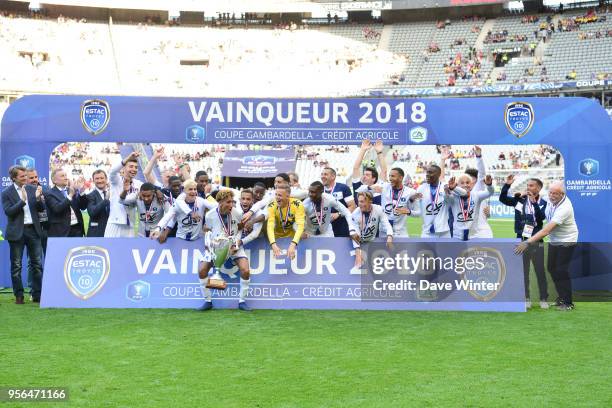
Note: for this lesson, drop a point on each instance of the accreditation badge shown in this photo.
(527, 231)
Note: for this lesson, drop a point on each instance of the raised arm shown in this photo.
(148, 171)
(365, 146)
(504, 197)
(378, 146)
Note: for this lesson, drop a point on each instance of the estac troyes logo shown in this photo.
(95, 115)
(519, 118)
(86, 270)
(494, 271)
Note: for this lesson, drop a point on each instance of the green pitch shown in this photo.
(227, 358)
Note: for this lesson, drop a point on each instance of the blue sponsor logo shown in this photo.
(259, 160)
(86, 270)
(589, 167)
(138, 290)
(95, 115)
(25, 161)
(519, 118)
(194, 134)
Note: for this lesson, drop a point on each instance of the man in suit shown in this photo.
(98, 204)
(32, 179)
(65, 218)
(21, 204)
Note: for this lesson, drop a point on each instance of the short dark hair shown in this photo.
(260, 184)
(130, 159)
(173, 178)
(147, 187)
(435, 166)
(247, 190)
(200, 173)
(399, 170)
(472, 172)
(373, 171)
(98, 172)
(317, 184)
(333, 171)
(537, 181)
(284, 176)
(14, 170)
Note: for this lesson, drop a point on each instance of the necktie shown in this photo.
(65, 192)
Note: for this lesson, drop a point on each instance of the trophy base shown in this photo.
(216, 284)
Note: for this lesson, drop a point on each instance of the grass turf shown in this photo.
(305, 358)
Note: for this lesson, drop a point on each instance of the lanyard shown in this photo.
(530, 207)
(465, 210)
(395, 202)
(284, 222)
(227, 228)
(331, 190)
(318, 216)
(554, 208)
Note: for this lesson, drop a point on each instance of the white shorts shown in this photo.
(119, 231)
(328, 234)
(445, 234)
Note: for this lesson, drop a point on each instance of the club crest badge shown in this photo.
(86, 270)
(194, 134)
(95, 115)
(494, 271)
(519, 118)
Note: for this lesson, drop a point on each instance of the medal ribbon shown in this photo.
(365, 224)
(434, 198)
(395, 202)
(286, 220)
(227, 228)
(554, 208)
(319, 219)
(465, 211)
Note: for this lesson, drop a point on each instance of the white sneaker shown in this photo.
(528, 304)
(544, 305)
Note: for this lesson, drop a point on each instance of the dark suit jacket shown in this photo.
(13, 208)
(58, 210)
(98, 210)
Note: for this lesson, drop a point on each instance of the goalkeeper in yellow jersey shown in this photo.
(286, 218)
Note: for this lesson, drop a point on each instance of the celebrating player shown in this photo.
(371, 219)
(225, 221)
(464, 207)
(121, 221)
(364, 182)
(318, 207)
(285, 219)
(434, 210)
(188, 213)
(151, 206)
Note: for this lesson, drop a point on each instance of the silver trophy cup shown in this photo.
(219, 247)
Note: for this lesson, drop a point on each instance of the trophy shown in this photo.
(219, 247)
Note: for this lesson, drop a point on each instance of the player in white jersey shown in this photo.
(398, 202)
(121, 219)
(318, 207)
(480, 227)
(225, 221)
(434, 207)
(252, 229)
(187, 213)
(151, 206)
(464, 208)
(371, 219)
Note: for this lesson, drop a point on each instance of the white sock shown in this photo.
(205, 290)
(244, 288)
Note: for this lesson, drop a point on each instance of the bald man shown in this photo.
(562, 233)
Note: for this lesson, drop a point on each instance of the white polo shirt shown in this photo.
(562, 214)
